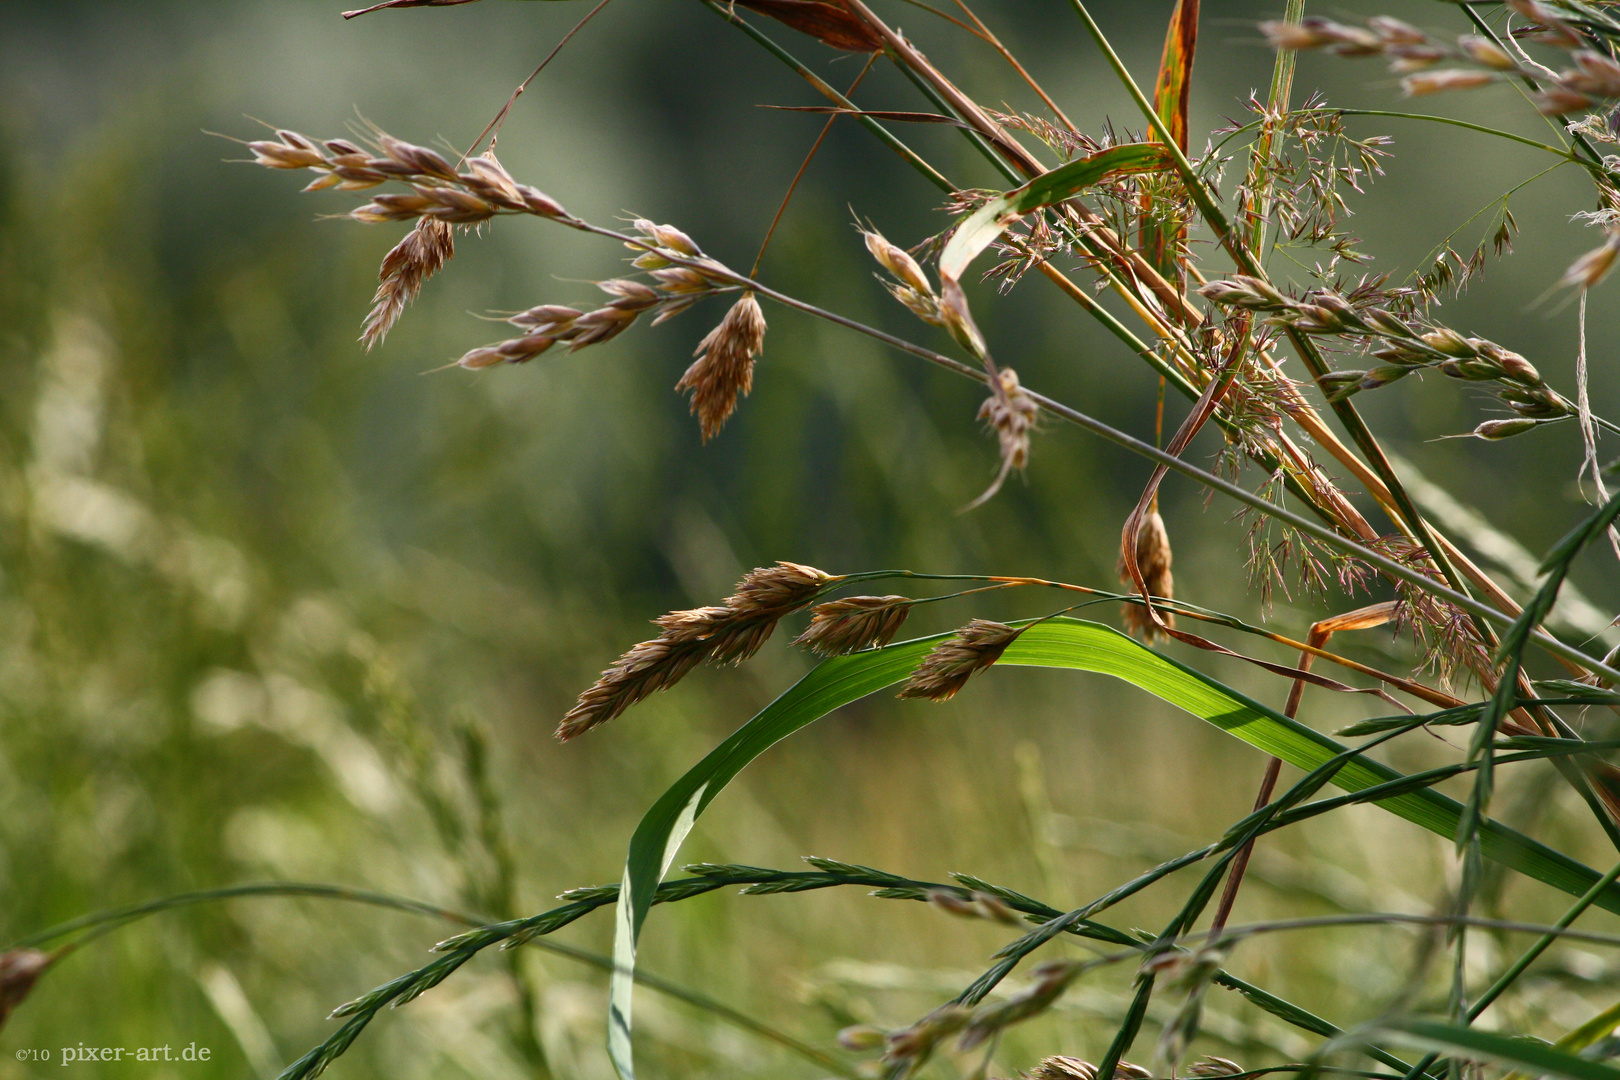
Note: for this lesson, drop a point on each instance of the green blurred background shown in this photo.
(255, 583)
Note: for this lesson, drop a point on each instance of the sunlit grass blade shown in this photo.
(1525, 1055)
(1056, 643)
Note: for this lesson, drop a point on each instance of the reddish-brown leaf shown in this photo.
(826, 23)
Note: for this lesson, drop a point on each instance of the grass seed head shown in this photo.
(854, 622)
(19, 970)
(724, 369)
(1492, 430)
(1484, 51)
(1422, 83)
(647, 667)
(728, 632)
(1062, 1067)
(1212, 1066)
(952, 663)
(425, 249)
(1153, 558)
(1590, 269)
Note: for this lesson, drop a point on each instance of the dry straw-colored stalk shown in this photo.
(728, 632)
(854, 622)
(724, 368)
(951, 664)
(1153, 558)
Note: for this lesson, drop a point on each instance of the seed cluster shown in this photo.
(1403, 346)
(728, 632)
(1591, 78)
(948, 668)
(854, 622)
(437, 190)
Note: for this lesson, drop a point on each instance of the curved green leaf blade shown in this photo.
(1529, 1056)
(1057, 643)
(980, 228)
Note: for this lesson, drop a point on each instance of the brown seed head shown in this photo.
(1210, 1066)
(952, 663)
(1063, 1068)
(647, 667)
(1396, 32)
(19, 970)
(976, 905)
(720, 633)
(1153, 559)
(1287, 35)
(1434, 82)
(1012, 415)
(724, 369)
(425, 249)
(1558, 100)
(1492, 430)
(854, 622)
(862, 1037)
(1591, 268)
(1482, 50)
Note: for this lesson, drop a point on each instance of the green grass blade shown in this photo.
(1529, 1056)
(980, 228)
(1057, 643)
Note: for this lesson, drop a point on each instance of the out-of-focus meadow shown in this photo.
(260, 590)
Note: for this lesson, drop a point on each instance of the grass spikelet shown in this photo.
(647, 667)
(425, 249)
(19, 970)
(1590, 269)
(1011, 414)
(725, 633)
(724, 369)
(855, 622)
(1153, 558)
(1063, 1067)
(948, 668)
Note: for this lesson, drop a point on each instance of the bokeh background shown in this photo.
(257, 585)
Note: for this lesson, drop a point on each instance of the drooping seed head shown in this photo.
(1212, 1066)
(1050, 980)
(1396, 32)
(1484, 51)
(667, 236)
(976, 905)
(1558, 100)
(946, 669)
(1492, 430)
(862, 1037)
(646, 668)
(1062, 1067)
(1588, 270)
(19, 970)
(1594, 75)
(419, 256)
(854, 622)
(1153, 559)
(724, 369)
(1434, 82)
(897, 261)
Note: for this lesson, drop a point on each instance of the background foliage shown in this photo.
(254, 583)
